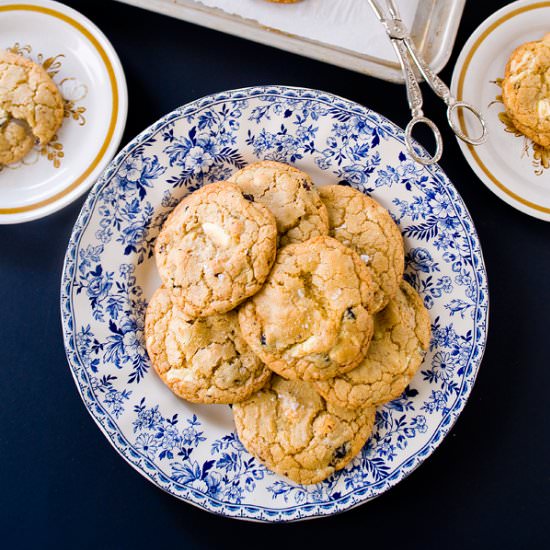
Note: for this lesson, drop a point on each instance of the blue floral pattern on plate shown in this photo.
(192, 451)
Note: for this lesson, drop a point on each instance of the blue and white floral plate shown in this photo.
(192, 451)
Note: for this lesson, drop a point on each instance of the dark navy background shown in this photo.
(62, 485)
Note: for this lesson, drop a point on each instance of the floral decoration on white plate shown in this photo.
(85, 67)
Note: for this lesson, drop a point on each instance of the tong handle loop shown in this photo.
(453, 105)
(453, 109)
(410, 145)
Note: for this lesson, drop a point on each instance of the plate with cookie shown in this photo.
(505, 68)
(271, 311)
(63, 104)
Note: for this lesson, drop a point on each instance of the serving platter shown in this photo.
(191, 451)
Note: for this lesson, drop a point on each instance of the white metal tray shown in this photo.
(433, 29)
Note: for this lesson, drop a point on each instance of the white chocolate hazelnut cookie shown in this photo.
(215, 249)
(311, 319)
(296, 433)
(202, 360)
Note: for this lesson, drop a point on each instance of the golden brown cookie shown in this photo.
(289, 194)
(28, 95)
(15, 141)
(296, 433)
(215, 249)
(526, 90)
(366, 226)
(311, 321)
(401, 339)
(203, 360)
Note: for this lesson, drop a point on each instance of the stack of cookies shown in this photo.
(287, 301)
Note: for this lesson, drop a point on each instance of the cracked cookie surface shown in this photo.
(15, 141)
(526, 90)
(311, 319)
(215, 249)
(296, 433)
(366, 226)
(203, 360)
(290, 195)
(29, 95)
(401, 339)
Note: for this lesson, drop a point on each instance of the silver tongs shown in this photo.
(406, 51)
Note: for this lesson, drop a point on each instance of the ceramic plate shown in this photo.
(85, 67)
(192, 451)
(511, 165)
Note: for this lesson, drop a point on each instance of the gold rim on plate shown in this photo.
(114, 111)
(460, 90)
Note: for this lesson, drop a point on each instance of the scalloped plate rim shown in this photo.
(292, 513)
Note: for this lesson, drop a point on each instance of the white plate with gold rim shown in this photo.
(511, 165)
(86, 68)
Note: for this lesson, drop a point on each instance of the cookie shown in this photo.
(202, 360)
(296, 433)
(311, 321)
(289, 194)
(526, 90)
(401, 339)
(15, 141)
(29, 95)
(215, 249)
(366, 226)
